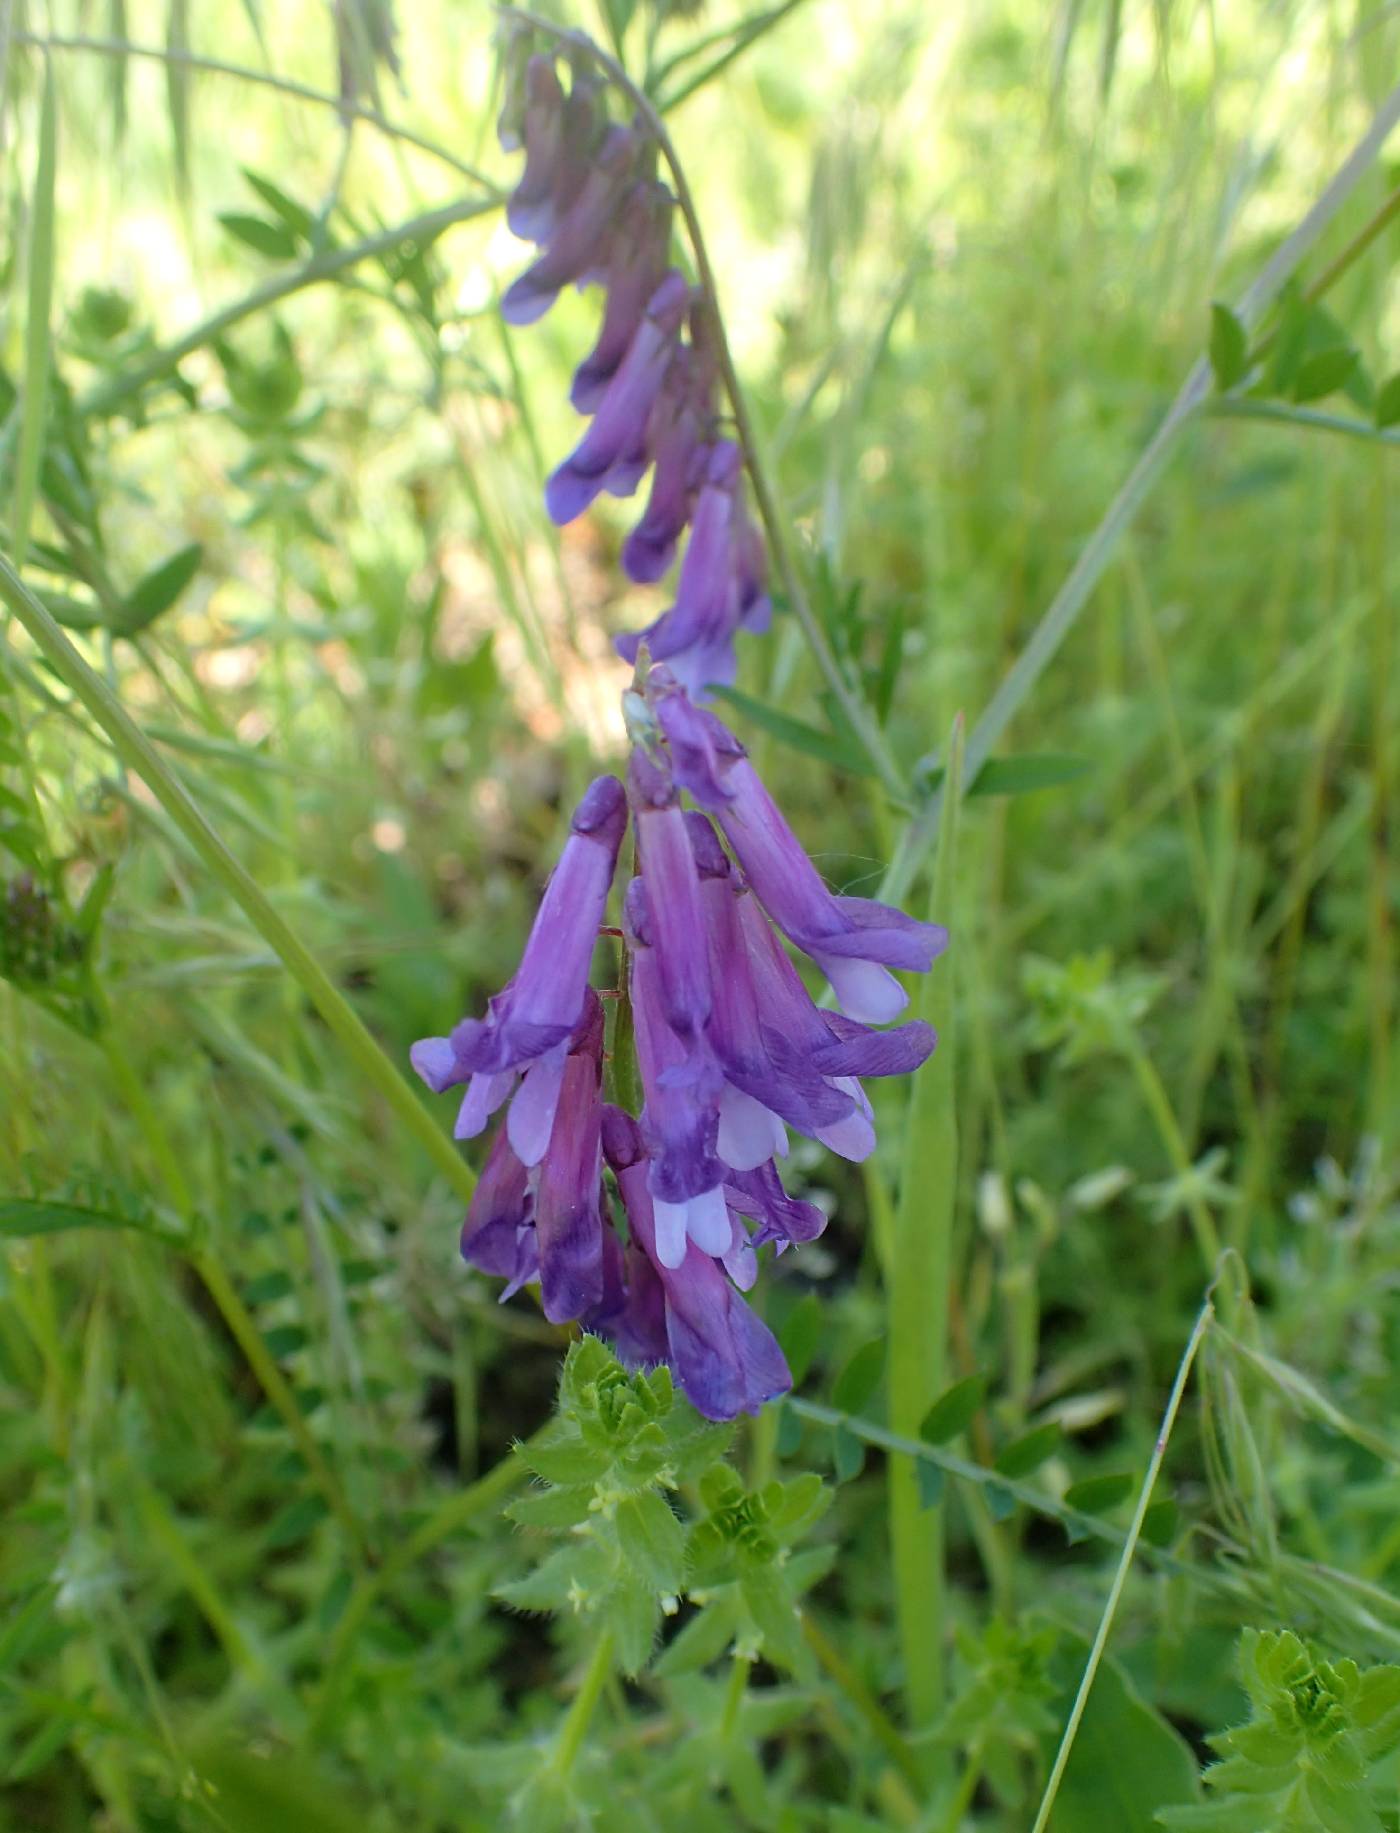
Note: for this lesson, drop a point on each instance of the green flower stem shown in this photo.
(864, 1701)
(328, 265)
(858, 715)
(739, 1666)
(1164, 1119)
(962, 1795)
(301, 92)
(580, 1714)
(141, 756)
(917, 1287)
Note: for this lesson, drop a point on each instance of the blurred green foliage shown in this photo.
(286, 495)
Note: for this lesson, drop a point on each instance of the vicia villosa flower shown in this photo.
(731, 1053)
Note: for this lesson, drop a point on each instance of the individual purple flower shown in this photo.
(574, 238)
(530, 211)
(696, 635)
(758, 1096)
(680, 1114)
(545, 1222)
(529, 1024)
(635, 267)
(786, 1220)
(725, 1358)
(613, 453)
(853, 940)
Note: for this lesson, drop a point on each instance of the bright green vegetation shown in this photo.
(268, 1561)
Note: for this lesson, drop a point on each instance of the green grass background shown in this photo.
(966, 254)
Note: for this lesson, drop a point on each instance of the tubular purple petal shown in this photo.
(530, 213)
(680, 1118)
(575, 238)
(545, 1001)
(614, 449)
(676, 921)
(636, 265)
(568, 1215)
(497, 1236)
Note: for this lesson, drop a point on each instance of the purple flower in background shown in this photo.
(635, 267)
(587, 199)
(696, 636)
(613, 454)
(725, 1358)
(529, 1024)
(578, 231)
(678, 432)
(530, 210)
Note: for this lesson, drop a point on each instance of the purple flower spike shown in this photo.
(568, 1216)
(574, 240)
(613, 454)
(528, 1025)
(674, 919)
(530, 211)
(636, 266)
(726, 1360)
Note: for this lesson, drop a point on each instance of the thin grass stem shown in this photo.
(1120, 1577)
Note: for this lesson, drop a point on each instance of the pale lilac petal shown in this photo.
(749, 1132)
(865, 990)
(436, 1062)
(707, 1222)
(531, 1118)
(671, 1235)
(485, 1093)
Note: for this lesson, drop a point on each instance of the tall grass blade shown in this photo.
(36, 330)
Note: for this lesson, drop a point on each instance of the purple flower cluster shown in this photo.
(589, 200)
(730, 1053)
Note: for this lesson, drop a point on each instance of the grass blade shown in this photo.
(36, 331)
